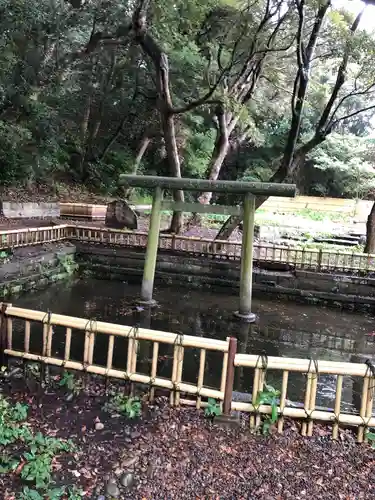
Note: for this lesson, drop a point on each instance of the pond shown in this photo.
(283, 329)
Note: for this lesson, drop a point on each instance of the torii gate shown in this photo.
(248, 189)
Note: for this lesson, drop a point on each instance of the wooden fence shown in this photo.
(297, 258)
(13, 238)
(181, 391)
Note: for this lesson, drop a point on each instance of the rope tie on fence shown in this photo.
(261, 363)
(91, 329)
(315, 375)
(133, 334)
(264, 361)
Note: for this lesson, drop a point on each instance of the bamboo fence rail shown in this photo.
(13, 238)
(130, 371)
(297, 258)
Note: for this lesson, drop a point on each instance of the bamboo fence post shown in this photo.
(362, 412)
(133, 369)
(154, 367)
(370, 400)
(284, 387)
(229, 380)
(307, 402)
(9, 332)
(262, 376)
(202, 365)
(254, 395)
(314, 387)
(335, 429)
(27, 336)
(68, 341)
(3, 334)
(174, 375)
(180, 362)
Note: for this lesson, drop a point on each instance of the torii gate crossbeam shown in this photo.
(248, 189)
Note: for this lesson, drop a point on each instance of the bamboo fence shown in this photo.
(13, 238)
(296, 258)
(182, 392)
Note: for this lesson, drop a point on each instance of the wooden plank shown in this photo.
(217, 186)
(201, 209)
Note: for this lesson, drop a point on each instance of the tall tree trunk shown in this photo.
(370, 231)
(219, 153)
(169, 133)
(279, 176)
(142, 150)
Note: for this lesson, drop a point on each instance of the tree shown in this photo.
(353, 77)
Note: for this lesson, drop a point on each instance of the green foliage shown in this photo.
(68, 263)
(269, 396)
(69, 381)
(127, 406)
(371, 437)
(31, 454)
(73, 116)
(212, 409)
(66, 492)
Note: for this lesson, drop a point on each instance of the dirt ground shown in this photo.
(172, 453)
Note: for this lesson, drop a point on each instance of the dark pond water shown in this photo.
(283, 329)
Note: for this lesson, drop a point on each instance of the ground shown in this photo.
(176, 453)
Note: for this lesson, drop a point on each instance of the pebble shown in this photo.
(127, 479)
(111, 488)
(129, 462)
(69, 397)
(99, 426)
(135, 435)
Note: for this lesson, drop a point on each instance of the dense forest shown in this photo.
(279, 90)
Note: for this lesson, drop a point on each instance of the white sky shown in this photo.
(368, 19)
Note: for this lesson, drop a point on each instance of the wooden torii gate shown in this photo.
(248, 189)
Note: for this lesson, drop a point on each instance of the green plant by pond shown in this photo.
(68, 263)
(30, 455)
(124, 405)
(70, 382)
(213, 408)
(269, 396)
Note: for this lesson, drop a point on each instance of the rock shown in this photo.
(69, 397)
(129, 462)
(99, 426)
(127, 479)
(111, 488)
(120, 215)
(135, 435)
(101, 497)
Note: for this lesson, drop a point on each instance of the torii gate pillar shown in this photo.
(246, 276)
(248, 189)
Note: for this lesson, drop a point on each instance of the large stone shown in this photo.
(119, 215)
(111, 488)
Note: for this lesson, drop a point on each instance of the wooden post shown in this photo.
(152, 249)
(229, 381)
(3, 334)
(246, 277)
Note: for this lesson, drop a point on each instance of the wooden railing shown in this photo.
(293, 257)
(91, 333)
(296, 258)
(308, 413)
(13, 238)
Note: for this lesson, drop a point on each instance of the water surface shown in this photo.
(283, 329)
